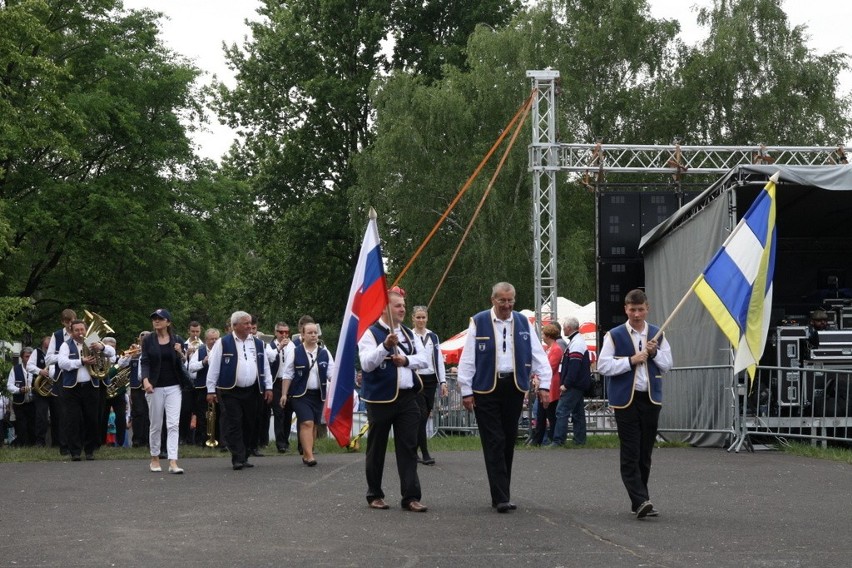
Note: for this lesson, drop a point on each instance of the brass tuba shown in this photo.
(44, 385)
(118, 382)
(211, 442)
(96, 326)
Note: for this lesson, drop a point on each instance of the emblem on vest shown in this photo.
(525, 335)
(481, 347)
(226, 358)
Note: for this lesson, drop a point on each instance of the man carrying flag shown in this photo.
(368, 298)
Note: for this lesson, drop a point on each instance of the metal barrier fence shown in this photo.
(811, 402)
(710, 406)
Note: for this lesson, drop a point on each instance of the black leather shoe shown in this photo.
(256, 453)
(512, 506)
(282, 450)
(428, 461)
(238, 466)
(248, 465)
(504, 507)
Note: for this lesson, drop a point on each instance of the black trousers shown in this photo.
(199, 408)
(263, 413)
(403, 415)
(25, 424)
(637, 432)
(187, 402)
(139, 418)
(118, 405)
(426, 401)
(43, 420)
(81, 417)
(282, 418)
(497, 415)
(240, 420)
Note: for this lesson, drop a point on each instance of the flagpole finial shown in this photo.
(775, 177)
(372, 214)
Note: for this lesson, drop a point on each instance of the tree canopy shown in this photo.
(340, 106)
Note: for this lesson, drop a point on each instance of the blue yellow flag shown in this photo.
(736, 287)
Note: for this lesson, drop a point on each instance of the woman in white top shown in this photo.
(430, 376)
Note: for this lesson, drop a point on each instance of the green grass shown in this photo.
(452, 443)
(837, 454)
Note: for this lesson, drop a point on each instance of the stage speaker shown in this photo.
(616, 277)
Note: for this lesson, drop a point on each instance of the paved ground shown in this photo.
(718, 509)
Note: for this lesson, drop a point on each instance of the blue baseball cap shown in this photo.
(161, 313)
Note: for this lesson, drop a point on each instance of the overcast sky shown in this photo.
(197, 28)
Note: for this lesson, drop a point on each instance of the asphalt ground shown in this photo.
(717, 509)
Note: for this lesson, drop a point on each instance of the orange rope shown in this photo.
(523, 109)
(526, 110)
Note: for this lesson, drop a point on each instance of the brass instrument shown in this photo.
(44, 385)
(118, 382)
(132, 351)
(97, 325)
(211, 442)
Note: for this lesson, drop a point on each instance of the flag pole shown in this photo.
(373, 216)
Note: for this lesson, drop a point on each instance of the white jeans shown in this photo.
(166, 399)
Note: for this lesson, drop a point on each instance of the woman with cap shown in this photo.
(161, 370)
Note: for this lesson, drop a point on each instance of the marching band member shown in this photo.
(238, 370)
(20, 386)
(277, 351)
(199, 364)
(51, 358)
(305, 380)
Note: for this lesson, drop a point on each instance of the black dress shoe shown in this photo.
(282, 450)
(504, 507)
(75, 458)
(248, 465)
(238, 466)
(90, 457)
(309, 463)
(428, 461)
(512, 506)
(256, 453)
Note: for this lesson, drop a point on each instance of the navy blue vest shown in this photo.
(302, 371)
(200, 381)
(20, 382)
(382, 383)
(485, 377)
(135, 381)
(275, 365)
(69, 378)
(228, 369)
(620, 387)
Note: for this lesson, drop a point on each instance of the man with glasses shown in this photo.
(501, 356)
(279, 348)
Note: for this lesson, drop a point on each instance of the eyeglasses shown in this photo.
(505, 302)
(283, 331)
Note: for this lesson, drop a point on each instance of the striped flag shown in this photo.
(368, 297)
(736, 287)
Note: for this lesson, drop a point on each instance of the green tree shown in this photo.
(428, 35)
(111, 210)
(754, 79)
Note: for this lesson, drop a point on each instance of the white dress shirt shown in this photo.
(608, 365)
(246, 364)
(28, 382)
(288, 369)
(372, 355)
(51, 356)
(428, 345)
(67, 364)
(505, 358)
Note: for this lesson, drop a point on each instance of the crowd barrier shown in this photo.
(811, 403)
(708, 406)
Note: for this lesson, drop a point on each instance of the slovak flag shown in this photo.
(368, 297)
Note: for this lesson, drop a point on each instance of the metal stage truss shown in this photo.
(547, 157)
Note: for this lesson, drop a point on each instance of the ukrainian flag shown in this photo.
(736, 287)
